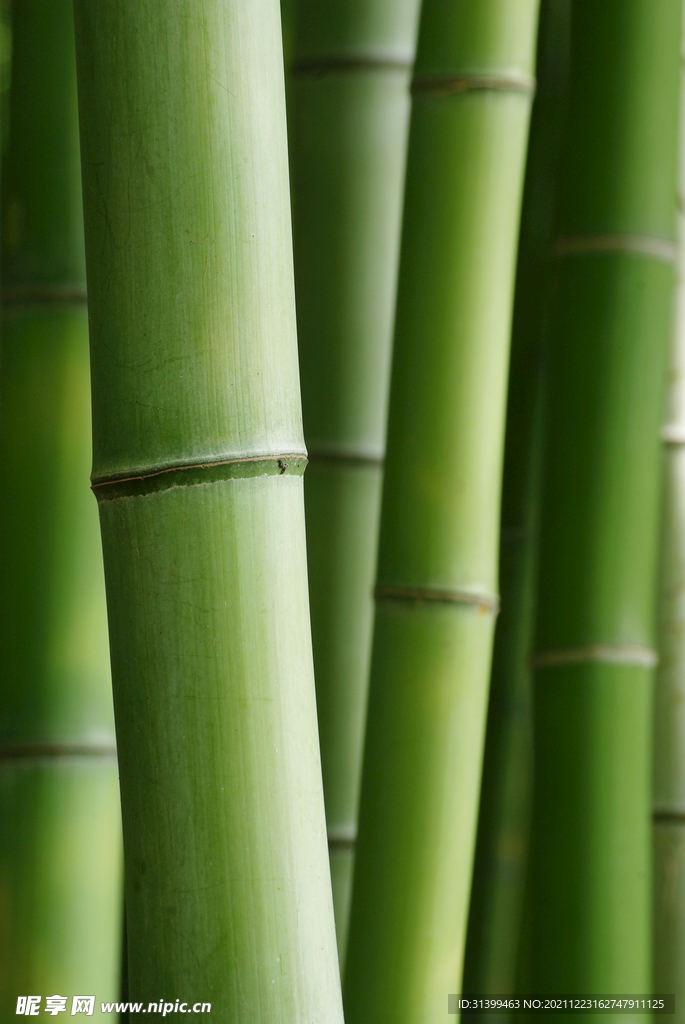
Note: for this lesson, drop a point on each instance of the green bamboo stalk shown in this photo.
(288, 15)
(439, 535)
(669, 723)
(60, 832)
(348, 117)
(599, 523)
(5, 69)
(198, 461)
(506, 790)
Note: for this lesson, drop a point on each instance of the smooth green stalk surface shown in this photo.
(198, 459)
(669, 724)
(506, 791)
(60, 832)
(348, 115)
(288, 14)
(594, 657)
(437, 572)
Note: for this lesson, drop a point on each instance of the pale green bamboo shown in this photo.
(60, 832)
(348, 112)
(594, 660)
(504, 818)
(669, 736)
(439, 535)
(198, 460)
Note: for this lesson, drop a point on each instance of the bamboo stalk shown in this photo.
(348, 115)
(198, 461)
(60, 845)
(5, 69)
(669, 726)
(506, 790)
(437, 569)
(595, 659)
(288, 15)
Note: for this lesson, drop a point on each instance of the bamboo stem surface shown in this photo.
(437, 569)
(198, 460)
(60, 832)
(669, 723)
(594, 660)
(504, 818)
(348, 116)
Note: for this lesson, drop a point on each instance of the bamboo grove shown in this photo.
(382, 307)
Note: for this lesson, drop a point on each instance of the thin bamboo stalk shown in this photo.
(348, 114)
(5, 69)
(595, 661)
(669, 724)
(198, 461)
(60, 832)
(506, 791)
(437, 569)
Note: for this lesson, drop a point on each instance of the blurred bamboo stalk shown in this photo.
(506, 790)
(669, 736)
(348, 112)
(288, 15)
(198, 462)
(5, 70)
(60, 832)
(439, 537)
(594, 661)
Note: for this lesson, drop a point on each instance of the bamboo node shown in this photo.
(351, 458)
(317, 66)
(19, 751)
(191, 473)
(611, 654)
(444, 85)
(43, 294)
(674, 815)
(342, 839)
(673, 434)
(418, 595)
(637, 245)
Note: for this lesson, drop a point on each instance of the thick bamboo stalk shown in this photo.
(60, 844)
(348, 115)
(506, 790)
(669, 724)
(198, 461)
(594, 660)
(439, 538)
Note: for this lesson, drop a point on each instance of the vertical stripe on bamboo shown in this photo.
(669, 724)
